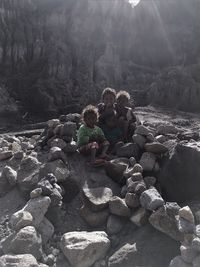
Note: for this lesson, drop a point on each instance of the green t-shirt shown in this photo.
(86, 135)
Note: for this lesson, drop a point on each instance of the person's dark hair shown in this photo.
(108, 91)
(90, 110)
(123, 94)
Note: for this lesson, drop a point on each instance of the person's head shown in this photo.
(111, 120)
(109, 96)
(90, 116)
(123, 98)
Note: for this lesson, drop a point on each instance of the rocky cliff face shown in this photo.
(58, 56)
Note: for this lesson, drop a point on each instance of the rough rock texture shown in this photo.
(23, 260)
(123, 257)
(82, 249)
(118, 207)
(150, 199)
(179, 262)
(178, 176)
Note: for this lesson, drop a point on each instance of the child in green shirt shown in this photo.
(90, 138)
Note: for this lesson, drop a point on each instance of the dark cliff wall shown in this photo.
(56, 56)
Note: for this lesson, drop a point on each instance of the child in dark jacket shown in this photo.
(90, 138)
(126, 117)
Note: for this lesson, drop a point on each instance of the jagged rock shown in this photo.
(148, 161)
(172, 209)
(140, 217)
(28, 174)
(98, 198)
(197, 230)
(94, 219)
(131, 185)
(185, 226)
(37, 208)
(188, 253)
(132, 200)
(164, 223)
(71, 188)
(149, 181)
(196, 262)
(20, 219)
(115, 170)
(139, 140)
(70, 147)
(137, 168)
(46, 229)
(156, 148)
(128, 150)
(128, 172)
(57, 168)
(57, 142)
(56, 198)
(137, 176)
(188, 135)
(140, 188)
(123, 191)
(123, 257)
(5, 155)
(82, 249)
(118, 207)
(142, 130)
(69, 129)
(132, 161)
(36, 193)
(26, 241)
(11, 175)
(53, 123)
(55, 153)
(179, 262)
(150, 137)
(186, 214)
(4, 185)
(151, 199)
(46, 186)
(160, 138)
(167, 129)
(196, 244)
(114, 224)
(23, 260)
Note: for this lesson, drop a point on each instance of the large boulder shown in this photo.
(82, 249)
(115, 170)
(26, 241)
(179, 177)
(128, 150)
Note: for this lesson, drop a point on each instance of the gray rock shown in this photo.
(11, 175)
(150, 137)
(69, 128)
(132, 200)
(179, 262)
(137, 168)
(132, 161)
(123, 191)
(148, 161)
(140, 217)
(70, 147)
(164, 223)
(23, 260)
(57, 142)
(196, 244)
(140, 188)
(196, 262)
(172, 209)
(151, 199)
(142, 130)
(137, 176)
(186, 214)
(26, 241)
(94, 219)
(139, 140)
(156, 148)
(161, 138)
(82, 249)
(197, 230)
(55, 153)
(123, 257)
(5, 155)
(167, 129)
(36, 193)
(56, 198)
(46, 186)
(20, 219)
(185, 226)
(128, 150)
(46, 229)
(114, 224)
(37, 208)
(115, 170)
(188, 253)
(98, 198)
(118, 207)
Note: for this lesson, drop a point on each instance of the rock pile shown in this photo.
(43, 178)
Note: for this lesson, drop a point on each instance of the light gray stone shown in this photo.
(36, 193)
(20, 219)
(151, 199)
(156, 148)
(139, 140)
(132, 200)
(46, 229)
(179, 262)
(142, 130)
(5, 155)
(196, 244)
(188, 253)
(196, 262)
(11, 175)
(148, 161)
(186, 214)
(118, 207)
(139, 217)
(23, 260)
(114, 224)
(82, 249)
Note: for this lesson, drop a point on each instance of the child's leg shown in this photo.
(105, 146)
(90, 149)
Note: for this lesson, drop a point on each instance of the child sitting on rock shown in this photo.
(112, 131)
(90, 138)
(107, 106)
(126, 117)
